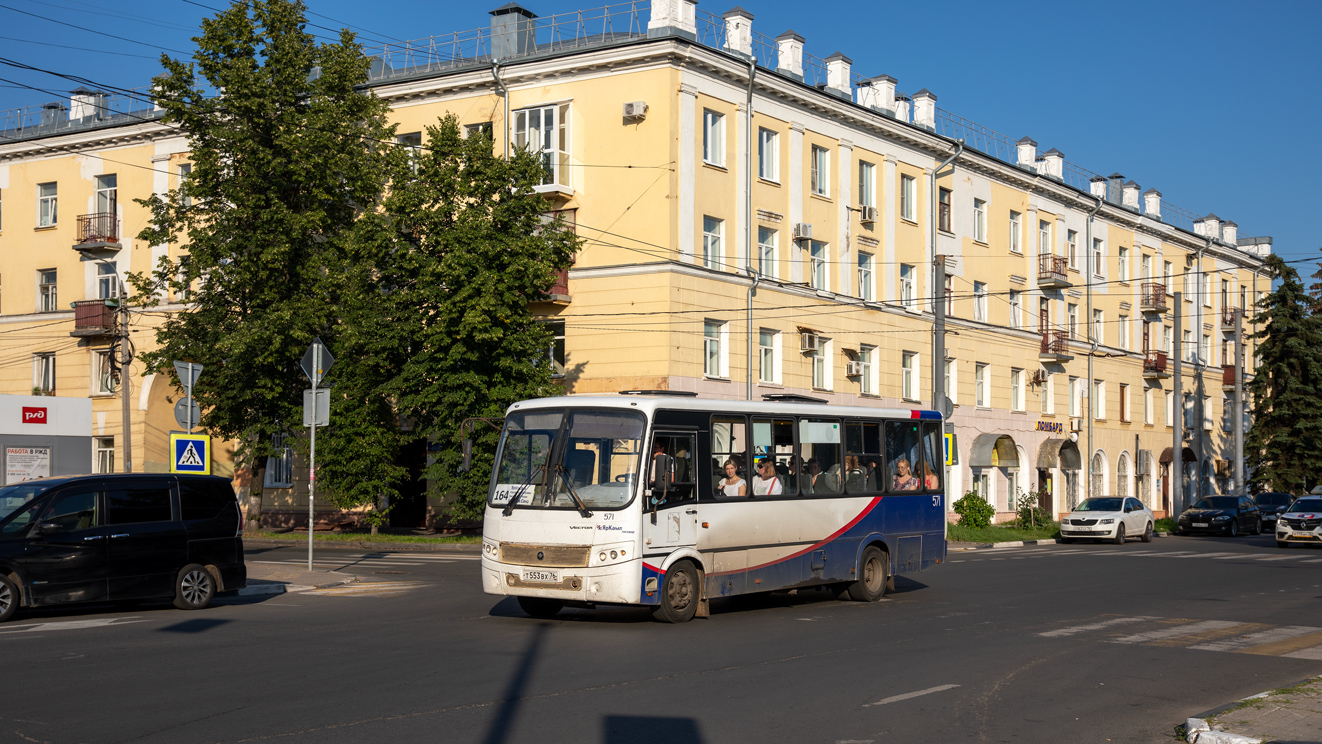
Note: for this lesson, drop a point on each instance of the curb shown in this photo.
(260, 589)
(1205, 715)
(1025, 543)
(363, 545)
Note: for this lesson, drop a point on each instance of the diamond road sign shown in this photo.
(317, 362)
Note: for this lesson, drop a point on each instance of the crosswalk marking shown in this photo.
(1227, 636)
(1211, 634)
(1179, 630)
(1094, 626)
(1314, 654)
(1313, 560)
(1285, 646)
(1255, 639)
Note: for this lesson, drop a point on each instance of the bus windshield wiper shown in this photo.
(509, 508)
(561, 470)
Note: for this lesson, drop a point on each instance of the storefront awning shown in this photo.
(993, 450)
(1058, 453)
(1168, 456)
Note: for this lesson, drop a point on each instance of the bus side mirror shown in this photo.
(467, 464)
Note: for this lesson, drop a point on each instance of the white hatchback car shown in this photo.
(1108, 518)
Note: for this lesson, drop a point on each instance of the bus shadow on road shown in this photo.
(649, 730)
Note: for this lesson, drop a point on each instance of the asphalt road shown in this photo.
(1071, 643)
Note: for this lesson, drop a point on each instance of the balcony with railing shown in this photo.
(1229, 319)
(1152, 298)
(1154, 365)
(98, 232)
(1055, 346)
(1052, 272)
(93, 318)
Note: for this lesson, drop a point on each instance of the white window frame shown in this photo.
(767, 240)
(1016, 232)
(713, 138)
(1148, 401)
(908, 198)
(768, 155)
(1016, 389)
(102, 381)
(951, 371)
(980, 220)
(43, 372)
(721, 344)
(1122, 256)
(713, 232)
(867, 383)
(1205, 349)
(1072, 319)
(768, 344)
(280, 468)
(821, 171)
(1044, 238)
(103, 454)
(1207, 289)
(1126, 414)
(1016, 309)
(867, 184)
(907, 289)
(1072, 248)
(1099, 400)
(1123, 328)
(980, 301)
(818, 276)
(48, 204)
(1099, 326)
(866, 277)
(1048, 392)
(1076, 397)
(48, 292)
(555, 158)
(981, 385)
(821, 365)
(1098, 258)
(909, 375)
(107, 281)
(1170, 408)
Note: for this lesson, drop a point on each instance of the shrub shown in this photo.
(974, 511)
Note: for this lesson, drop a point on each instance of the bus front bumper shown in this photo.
(618, 583)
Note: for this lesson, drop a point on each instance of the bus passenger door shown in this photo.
(672, 508)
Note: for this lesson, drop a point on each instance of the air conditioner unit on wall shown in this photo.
(635, 110)
(802, 231)
(867, 214)
(853, 369)
(810, 341)
(1076, 424)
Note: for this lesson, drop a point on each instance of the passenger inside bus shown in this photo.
(731, 486)
(767, 482)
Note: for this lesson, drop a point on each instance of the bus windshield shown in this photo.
(546, 454)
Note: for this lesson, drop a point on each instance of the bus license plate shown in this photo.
(540, 575)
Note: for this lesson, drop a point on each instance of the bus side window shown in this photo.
(819, 443)
(729, 445)
(903, 455)
(671, 472)
(774, 440)
(933, 457)
(863, 457)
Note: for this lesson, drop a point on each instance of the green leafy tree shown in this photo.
(461, 248)
(1282, 445)
(283, 144)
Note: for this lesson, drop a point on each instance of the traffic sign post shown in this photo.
(190, 453)
(186, 412)
(316, 362)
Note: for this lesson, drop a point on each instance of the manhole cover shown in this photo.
(379, 573)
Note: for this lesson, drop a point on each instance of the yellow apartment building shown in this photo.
(782, 248)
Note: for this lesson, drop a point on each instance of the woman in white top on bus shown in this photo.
(732, 486)
(767, 482)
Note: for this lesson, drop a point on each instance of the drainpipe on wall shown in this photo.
(938, 292)
(505, 93)
(1092, 339)
(748, 220)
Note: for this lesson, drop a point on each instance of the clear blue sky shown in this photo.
(1204, 101)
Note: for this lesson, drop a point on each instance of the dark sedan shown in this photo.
(1222, 515)
(1271, 505)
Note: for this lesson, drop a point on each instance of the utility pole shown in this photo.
(1238, 402)
(125, 359)
(1177, 412)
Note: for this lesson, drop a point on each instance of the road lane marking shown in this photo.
(1094, 626)
(1179, 630)
(1313, 560)
(1235, 629)
(1285, 646)
(1256, 639)
(1250, 556)
(73, 625)
(1314, 653)
(909, 695)
(1281, 558)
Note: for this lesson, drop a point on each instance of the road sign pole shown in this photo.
(312, 460)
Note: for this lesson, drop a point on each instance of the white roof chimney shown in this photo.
(1097, 186)
(1054, 163)
(1152, 203)
(1208, 226)
(789, 54)
(924, 108)
(1129, 195)
(1230, 232)
(669, 16)
(903, 104)
(837, 74)
(1027, 155)
(739, 31)
(878, 93)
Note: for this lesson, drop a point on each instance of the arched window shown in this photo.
(1122, 475)
(1098, 475)
(1145, 477)
(1208, 484)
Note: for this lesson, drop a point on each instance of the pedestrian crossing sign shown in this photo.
(190, 453)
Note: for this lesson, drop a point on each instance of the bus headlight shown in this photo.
(607, 554)
(491, 549)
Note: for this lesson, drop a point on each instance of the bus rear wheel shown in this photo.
(540, 607)
(679, 594)
(873, 576)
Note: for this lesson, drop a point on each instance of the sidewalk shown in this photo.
(265, 579)
(1291, 715)
(954, 545)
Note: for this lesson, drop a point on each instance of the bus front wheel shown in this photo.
(873, 575)
(679, 594)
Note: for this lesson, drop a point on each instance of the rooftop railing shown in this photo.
(96, 110)
(983, 139)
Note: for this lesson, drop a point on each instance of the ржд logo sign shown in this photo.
(33, 415)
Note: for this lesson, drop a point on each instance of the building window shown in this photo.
(280, 466)
(713, 138)
(951, 371)
(711, 242)
(1170, 408)
(817, 264)
(768, 357)
(43, 373)
(907, 286)
(1047, 395)
(865, 276)
(185, 292)
(47, 296)
(981, 391)
(473, 130)
(766, 251)
(821, 377)
(1016, 309)
(1225, 294)
(866, 184)
(1016, 389)
(715, 359)
(1207, 413)
(1043, 314)
(1098, 400)
(1207, 290)
(184, 171)
(411, 144)
(1122, 255)
(980, 220)
(1145, 267)
(1147, 406)
(105, 454)
(943, 210)
(866, 385)
(107, 281)
(103, 381)
(821, 171)
(908, 197)
(1186, 342)
(1123, 327)
(1016, 232)
(1072, 319)
(1098, 267)
(909, 375)
(1166, 341)
(1044, 238)
(1072, 248)
(1205, 350)
(47, 203)
(768, 155)
(556, 354)
(950, 295)
(544, 132)
(107, 194)
(980, 301)
(1098, 327)
(1124, 403)
(1076, 397)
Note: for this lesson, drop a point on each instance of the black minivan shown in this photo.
(93, 538)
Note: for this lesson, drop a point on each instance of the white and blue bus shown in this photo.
(664, 500)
